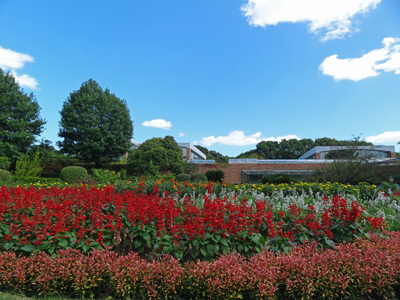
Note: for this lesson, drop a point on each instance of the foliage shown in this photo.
(198, 177)
(73, 174)
(29, 167)
(20, 122)
(190, 168)
(95, 125)
(215, 175)
(5, 177)
(366, 269)
(123, 174)
(276, 179)
(105, 176)
(182, 177)
(154, 156)
(214, 155)
(4, 162)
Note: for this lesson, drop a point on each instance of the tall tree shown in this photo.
(156, 155)
(95, 125)
(20, 123)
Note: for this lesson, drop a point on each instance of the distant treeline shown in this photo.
(285, 149)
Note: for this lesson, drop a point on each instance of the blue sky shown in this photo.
(224, 74)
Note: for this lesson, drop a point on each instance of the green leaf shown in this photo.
(330, 243)
(194, 253)
(196, 243)
(286, 249)
(63, 244)
(203, 251)
(212, 249)
(224, 242)
(240, 248)
(367, 235)
(146, 237)
(28, 248)
(137, 243)
(224, 249)
(216, 238)
(7, 246)
(85, 248)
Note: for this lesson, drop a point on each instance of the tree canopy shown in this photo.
(293, 148)
(20, 122)
(214, 155)
(156, 155)
(95, 125)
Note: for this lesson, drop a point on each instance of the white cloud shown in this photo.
(12, 60)
(238, 138)
(158, 123)
(333, 16)
(26, 81)
(365, 66)
(388, 136)
(181, 134)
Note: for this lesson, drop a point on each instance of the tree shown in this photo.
(214, 155)
(156, 155)
(20, 123)
(95, 125)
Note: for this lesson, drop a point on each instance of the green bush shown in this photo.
(182, 177)
(29, 167)
(5, 177)
(198, 177)
(276, 179)
(215, 175)
(4, 162)
(73, 174)
(104, 176)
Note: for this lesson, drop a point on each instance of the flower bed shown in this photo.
(364, 268)
(51, 219)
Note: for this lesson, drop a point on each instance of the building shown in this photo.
(369, 152)
(191, 153)
(251, 170)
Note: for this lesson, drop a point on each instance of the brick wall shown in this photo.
(233, 171)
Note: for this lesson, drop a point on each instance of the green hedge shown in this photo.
(73, 174)
(5, 177)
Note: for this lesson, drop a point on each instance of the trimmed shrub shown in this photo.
(215, 175)
(5, 177)
(198, 177)
(4, 162)
(73, 173)
(276, 179)
(182, 177)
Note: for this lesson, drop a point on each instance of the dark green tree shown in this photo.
(95, 125)
(214, 155)
(20, 123)
(155, 156)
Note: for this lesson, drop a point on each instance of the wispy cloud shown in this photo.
(181, 134)
(158, 123)
(238, 138)
(386, 137)
(11, 61)
(386, 59)
(335, 17)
